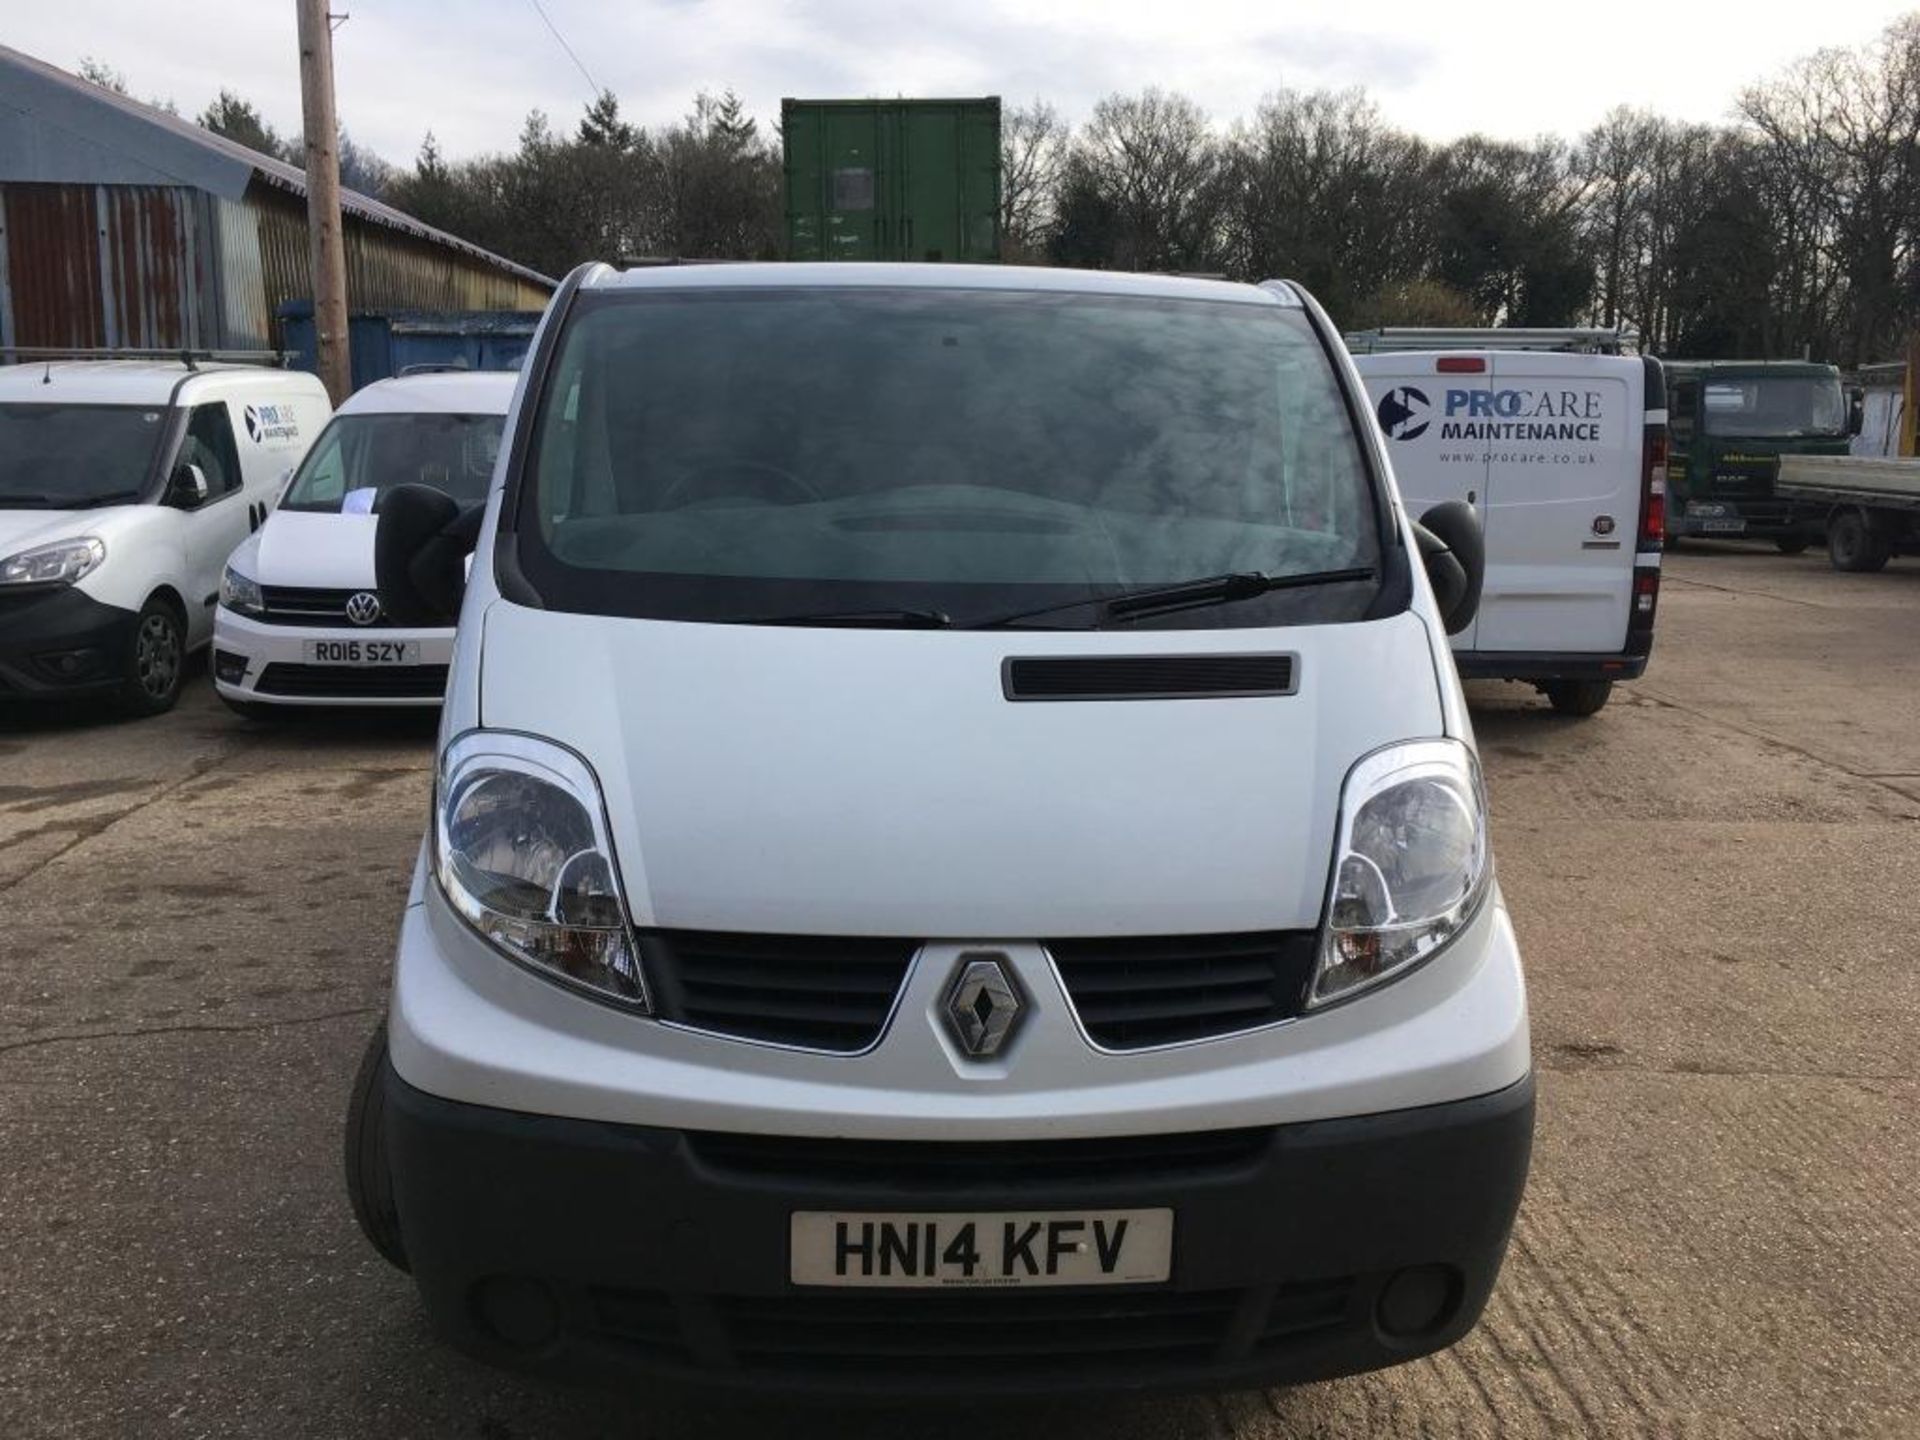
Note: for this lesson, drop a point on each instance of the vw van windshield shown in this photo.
(753, 453)
(357, 457)
(62, 457)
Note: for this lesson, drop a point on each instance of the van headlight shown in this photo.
(522, 854)
(1411, 865)
(60, 563)
(240, 594)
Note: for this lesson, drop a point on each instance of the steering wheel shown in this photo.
(762, 479)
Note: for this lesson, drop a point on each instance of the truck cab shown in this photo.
(1730, 422)
(124, 486)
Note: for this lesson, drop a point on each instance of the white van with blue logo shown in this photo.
(300, 621)
(1564, 457)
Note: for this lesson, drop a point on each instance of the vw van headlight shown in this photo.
(521, 852)
(60, 563)
(240, 594)
(1411, 865)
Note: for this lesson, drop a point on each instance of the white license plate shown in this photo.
(1726, 527)
(362, 652)
(994, 1248)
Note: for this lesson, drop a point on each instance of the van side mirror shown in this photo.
(1455, 554)
(188, 489)
(420, 547)
(1856, 409)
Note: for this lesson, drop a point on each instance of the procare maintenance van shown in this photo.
(1563, 457)
(124, 485)
(958, 864)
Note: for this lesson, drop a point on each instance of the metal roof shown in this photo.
(850, 275)
(476, 392)
(132, 382)
(56, 128)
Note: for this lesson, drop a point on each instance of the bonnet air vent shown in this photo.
(1146, 677)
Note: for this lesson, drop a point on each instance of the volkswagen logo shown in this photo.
(363, 607)
(983, 1005)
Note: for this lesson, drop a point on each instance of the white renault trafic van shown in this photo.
(300, 621)
(124, 485)
(1564, 459)
(958, 864)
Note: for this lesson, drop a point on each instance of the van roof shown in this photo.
(477, 392)
(840, 275)
(136, 382)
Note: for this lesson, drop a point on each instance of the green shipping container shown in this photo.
(892, 179)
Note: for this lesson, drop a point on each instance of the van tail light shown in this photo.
(1646, 599)
(1653, 491)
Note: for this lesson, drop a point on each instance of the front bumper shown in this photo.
(1763, 519)
(268, 664)
(59, 642)
(600, 1253)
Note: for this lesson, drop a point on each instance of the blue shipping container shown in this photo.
(386, 342)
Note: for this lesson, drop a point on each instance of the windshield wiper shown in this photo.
(1185, 595)
(873, 619)
(94, 502)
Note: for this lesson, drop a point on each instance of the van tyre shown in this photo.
(1578, 697)
(369, 1176)
(156, 660)
(1856, 544)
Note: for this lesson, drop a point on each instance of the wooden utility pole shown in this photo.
(323, 198)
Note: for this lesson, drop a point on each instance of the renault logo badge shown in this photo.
(983, 1005)
(363, 607)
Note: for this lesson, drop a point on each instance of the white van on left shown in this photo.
(124, 486)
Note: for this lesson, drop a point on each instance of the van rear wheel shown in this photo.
(1578, 697)
(369, 1176)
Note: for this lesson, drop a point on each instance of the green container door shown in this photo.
(892, 180)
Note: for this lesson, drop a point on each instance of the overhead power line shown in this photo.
(592, 84)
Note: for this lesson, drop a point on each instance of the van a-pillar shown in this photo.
(323, 199)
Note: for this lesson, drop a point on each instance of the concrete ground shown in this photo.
(1714, 881)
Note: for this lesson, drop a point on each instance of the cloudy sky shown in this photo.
(469, 70)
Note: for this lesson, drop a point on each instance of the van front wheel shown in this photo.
(1578, 697)
(369, 1176)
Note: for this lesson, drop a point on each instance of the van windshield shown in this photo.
(738, 454)
(69, 457)
(357, 457)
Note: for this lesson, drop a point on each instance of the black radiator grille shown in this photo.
(950, 1334)
(304, 605)
(1147, 677)
(820, 992)
(355, 682)
(1136, 991)
(901, 1165)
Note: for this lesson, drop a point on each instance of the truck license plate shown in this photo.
(995, 1248)
(363, 652)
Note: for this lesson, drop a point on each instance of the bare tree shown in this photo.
(1033, 157)
(1153, 166)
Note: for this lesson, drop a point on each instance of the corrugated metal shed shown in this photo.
(123, 225)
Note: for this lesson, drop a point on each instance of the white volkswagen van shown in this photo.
(1564, 459)
(124, 485)
(958, 865)
(300, 621)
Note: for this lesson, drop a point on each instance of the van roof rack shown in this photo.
(436, 367)
(1619, 340)
(188, 356)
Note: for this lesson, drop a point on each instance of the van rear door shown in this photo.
(1421, 401)
(1563, 502)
